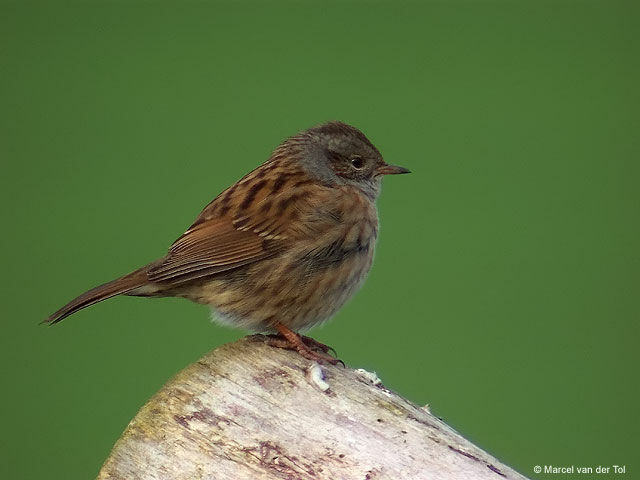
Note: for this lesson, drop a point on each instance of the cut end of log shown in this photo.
(250, 411)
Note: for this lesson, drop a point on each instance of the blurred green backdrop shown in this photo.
(505, 287)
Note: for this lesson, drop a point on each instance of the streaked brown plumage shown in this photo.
(280, 250)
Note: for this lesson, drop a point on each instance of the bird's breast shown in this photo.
(322, 275)
(308, 281)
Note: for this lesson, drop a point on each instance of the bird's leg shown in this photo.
(305, 346)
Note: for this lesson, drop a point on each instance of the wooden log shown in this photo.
(247, 410)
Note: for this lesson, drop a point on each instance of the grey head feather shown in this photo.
(327, 152)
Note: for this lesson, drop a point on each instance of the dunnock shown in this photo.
(282, 249)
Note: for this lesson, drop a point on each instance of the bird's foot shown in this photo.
(316, 345)
(306, 346)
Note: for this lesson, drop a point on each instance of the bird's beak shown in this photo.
(386, 169)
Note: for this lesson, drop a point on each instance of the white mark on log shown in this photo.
(316, 377)
(370, 377)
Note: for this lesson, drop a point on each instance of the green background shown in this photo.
(505, 291)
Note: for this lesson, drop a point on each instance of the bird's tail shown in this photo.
(116, 287)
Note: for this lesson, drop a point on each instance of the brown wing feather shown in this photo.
(254, 219)
(211, 247)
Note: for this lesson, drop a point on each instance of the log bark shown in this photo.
(247, 410)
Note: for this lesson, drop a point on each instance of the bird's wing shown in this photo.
(211, 247)
(240, 236)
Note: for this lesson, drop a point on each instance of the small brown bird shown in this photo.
(282, 249)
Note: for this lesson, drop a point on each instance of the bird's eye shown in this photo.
(357, 162)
